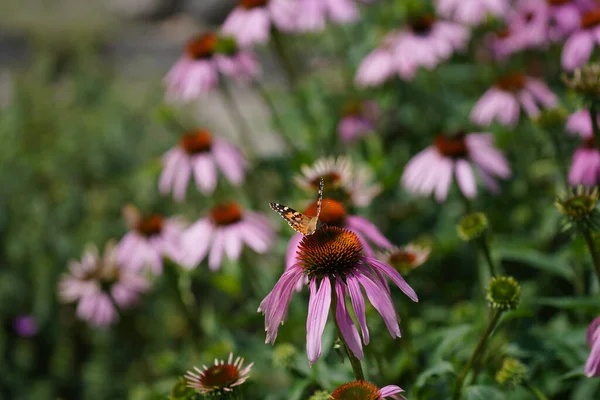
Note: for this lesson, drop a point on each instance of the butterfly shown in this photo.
(298, 221)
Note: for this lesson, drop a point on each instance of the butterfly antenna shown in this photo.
(320, 198)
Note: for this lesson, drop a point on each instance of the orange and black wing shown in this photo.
(298, 221)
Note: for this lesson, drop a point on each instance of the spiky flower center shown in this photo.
(332, 212)
(196, 142)
(150, 226)
(590, 19)
(220, 376)
(503, 32)
(589, 143)
(249, 4)
(330, 180)
(329, 251)
(357, 390)
(579, 204)
(511, 83)
(454, 146)
(226, 214)
(503, 293)
(202, 46)
(422, 26)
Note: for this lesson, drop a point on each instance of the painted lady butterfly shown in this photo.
(298, 221)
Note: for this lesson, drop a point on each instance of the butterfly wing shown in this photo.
(298, 221)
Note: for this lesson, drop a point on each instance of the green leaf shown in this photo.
(441, 368)
(481, 392)
(535, 259)
(568, 303)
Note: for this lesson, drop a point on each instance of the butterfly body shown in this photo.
(298, 221)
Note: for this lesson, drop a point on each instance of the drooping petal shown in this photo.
(347, 328)
(394, 276)
(381, 302)
(358, 303)
(318, 309)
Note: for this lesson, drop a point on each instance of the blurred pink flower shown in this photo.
(332, 259)
(379, 65)
(471, 12)
(149, 240)
(564, 17)
(224, 231)
(196, 73)
(431, 170)
(504, 42)
(25, 326)
(359, 119)
(579, 46)
(426, 42)
(528, 21)
(99, 284)
(501, 102)
(312, 14)
(592, 365)
(250, 22)
(366, 390)
(585, 167)
(201, 153)
(580, 123)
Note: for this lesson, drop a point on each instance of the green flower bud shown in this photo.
(512, 374)
(503, 293)
(320, 395)
(579, 206)
(284, 355)
(472, 226)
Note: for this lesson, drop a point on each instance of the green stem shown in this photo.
(478, 350)
(242, 125)
(535, 391)
(595, 127)
(560, 155)
(279, 125)
(593, 251)
(355, 362)
(485, 248)
(171, 273)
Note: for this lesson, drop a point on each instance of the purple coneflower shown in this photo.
(529, 22)
(502, 101)
(220, 377)
(431, 170)
(149, 240)
(379, 65)
(359, 118)
(350, 182)
(471, 12)
(580, 45)
(564, 18)
(197, 72)
(250, 22)
(580, 123)
(332, 259)
(100, 285)
(592, 365)
(426, 42)
(366, 391)
(314, 13)
(406, 258)
(201, 153)
(224, 231)
(25, 326)
(585, 167)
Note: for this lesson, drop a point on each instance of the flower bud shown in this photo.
(512, 374)
(503, 293)
(320, 395)
(585, 81)
(579, 206)
(472, 226)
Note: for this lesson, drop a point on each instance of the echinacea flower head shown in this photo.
(313, 14)
(406, 258)
(426, 42)
(333, 261)
(503, 101)
(201, 154)
(205, 56)
(503, 293)
(580, 45)
(25, 326)
(431, 171)
(585, 167)
(251, 21)
(528, 21)
(359, 118)
(222, 377)
(512, 373)
(364, 390)
(580, 208)
(224, 231)
(592, 365)
(471, 12)
(99, 284)
(149, 239)
(344, 180)
(585, 81)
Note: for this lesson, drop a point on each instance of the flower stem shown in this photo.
(171, 273)
(478, 350)
(485, 248)
(535, 391)
(595, 127)
(355, 362)
(240, 121)
(593, 251)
